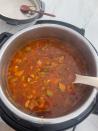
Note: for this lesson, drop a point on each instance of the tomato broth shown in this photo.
(40, 75)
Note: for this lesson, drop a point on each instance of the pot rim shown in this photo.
(56, 120)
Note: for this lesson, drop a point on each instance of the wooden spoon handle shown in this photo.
(87, 80)
(43, 13)
(48, 14)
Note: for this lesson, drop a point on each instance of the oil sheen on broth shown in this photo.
(40, 74)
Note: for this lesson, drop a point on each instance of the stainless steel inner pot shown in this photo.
(42, 31)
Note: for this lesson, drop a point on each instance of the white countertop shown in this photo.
(81, 13)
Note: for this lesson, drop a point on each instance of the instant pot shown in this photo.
(15, 117)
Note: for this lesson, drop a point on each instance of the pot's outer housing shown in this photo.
(41, 7)
(38, 31)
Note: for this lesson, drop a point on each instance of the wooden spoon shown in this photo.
(26, 9)
(87, 80)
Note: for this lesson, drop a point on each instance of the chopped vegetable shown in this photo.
(53, 64)
(68, 68)
(31, 106)
(42, 105)
(61, 87)
(24, 84)
(18, 61)
(19, 73)
(28, 48)
(27, 103)
(33, 92)
(61, 59)
(49, 93)
(23, 78)
(42, 74)
(14, 79)
(43, 88)
(38, 69)
(45, 70)
(31, 67)
(29, 79)
(30, 96)
(16, 67)
(39, 63)
(32, 75)
(45, 47)
(54, 81)
(48, 81)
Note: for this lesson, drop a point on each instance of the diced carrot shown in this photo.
(29, 79)
(54, 81)
(28, 48)
(16, 67)
(19, 73)
(33, 92)
(27, 103)
(30, 96)
(61, 87)
(39, 63)
(42, 105)
(24, 84)
(18, 61)
(31, 67)
(32, 75)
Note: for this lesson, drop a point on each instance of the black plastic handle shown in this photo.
(95, 111)
(4, 37)
(79, 30)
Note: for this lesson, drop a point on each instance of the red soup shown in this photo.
(40, 75)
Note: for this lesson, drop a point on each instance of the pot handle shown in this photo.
(79, 30)
(95, 111)
(4, 37)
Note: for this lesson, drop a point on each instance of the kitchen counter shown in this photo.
(81, 13)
